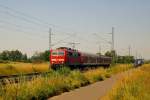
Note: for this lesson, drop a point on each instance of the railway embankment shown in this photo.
(57, 82)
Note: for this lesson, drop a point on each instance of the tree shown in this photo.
(99, 53)
(125, 59)
(37, 57)
(41, 56)
(5, 55)
(46, 55)
(112, 54)
(108, 53)
(24, 57)
(14, 55)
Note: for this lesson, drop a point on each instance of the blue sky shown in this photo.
(80, 19)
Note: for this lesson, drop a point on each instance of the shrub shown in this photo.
(76, 79)
(95, 75)
(64, 71)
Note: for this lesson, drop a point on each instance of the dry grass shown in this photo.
(17, 67)
(119, 68)
(95, 75)
(54, 83)
(133, 86)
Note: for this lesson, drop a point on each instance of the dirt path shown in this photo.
(90, 92)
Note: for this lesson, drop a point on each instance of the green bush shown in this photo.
(76, 79)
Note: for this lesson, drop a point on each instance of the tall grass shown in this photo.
(133, 86)
(54, 83)
(18, 68)
(119, 68)
(95, 75)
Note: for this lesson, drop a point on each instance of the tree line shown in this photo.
(119, 59)
(16, 55)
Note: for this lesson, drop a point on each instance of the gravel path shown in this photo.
(91, 92)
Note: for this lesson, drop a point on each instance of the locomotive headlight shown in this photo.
(61, 59)
(53, 59)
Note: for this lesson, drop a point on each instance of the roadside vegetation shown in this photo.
(56, 82)
(132, 86)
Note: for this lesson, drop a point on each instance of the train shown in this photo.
(138, 62)
(64, 56)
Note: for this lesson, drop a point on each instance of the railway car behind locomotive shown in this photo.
(70, 57)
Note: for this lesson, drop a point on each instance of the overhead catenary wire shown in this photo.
(24, 16)
(21, 27)
(97, 36)
(39, 23)
(2, 27)
(27, 16)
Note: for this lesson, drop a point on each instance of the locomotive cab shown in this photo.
(57, 57)
(65, 56)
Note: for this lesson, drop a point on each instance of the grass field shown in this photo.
(56, 82)
(18, 67)
(132, 86)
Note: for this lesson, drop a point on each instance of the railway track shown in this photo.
(16, 78)
(9, 79)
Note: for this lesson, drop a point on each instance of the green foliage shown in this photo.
(64, 70)
(119, 59)
(39, 57)
(125, 59)
(46, 55)
(110, 53)
(5, 55)
(76, 79)
(14, 55)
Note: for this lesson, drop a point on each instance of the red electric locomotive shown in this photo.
(71, 57)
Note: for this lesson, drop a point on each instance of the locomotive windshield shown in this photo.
(57, 53)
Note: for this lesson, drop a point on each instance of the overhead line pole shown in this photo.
(129, 50)
(50, 38)
(50, 42)
(112, 45)
(112, 38)
(99, 49)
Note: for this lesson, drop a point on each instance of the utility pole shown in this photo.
(129, 50)
(112, 46)
(50, 46)
(112, 39)
(50, 38)
(136, 55)
(99, 49)
(73, 44)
